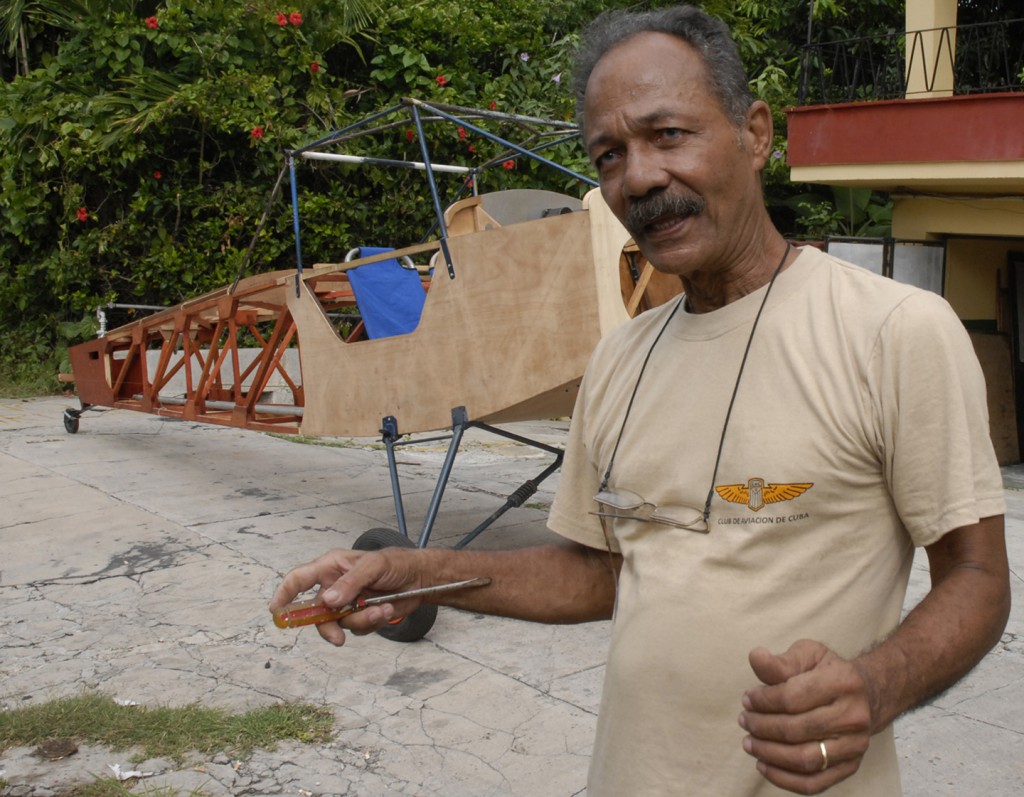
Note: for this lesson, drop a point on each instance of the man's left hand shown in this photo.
(811, 698)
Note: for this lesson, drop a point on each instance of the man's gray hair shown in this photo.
(708, 35)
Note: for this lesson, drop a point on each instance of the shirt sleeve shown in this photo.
(936, 446)
(571, 512)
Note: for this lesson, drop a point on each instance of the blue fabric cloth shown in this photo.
(390, 298)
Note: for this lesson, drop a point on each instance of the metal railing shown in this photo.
(982, 59)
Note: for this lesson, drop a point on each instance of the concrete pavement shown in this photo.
(137, 558)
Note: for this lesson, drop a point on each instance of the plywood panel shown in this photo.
(994, 354)
(514, 329)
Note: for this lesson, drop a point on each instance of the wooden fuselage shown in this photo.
(507, 338)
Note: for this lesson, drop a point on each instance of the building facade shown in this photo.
(935, 117)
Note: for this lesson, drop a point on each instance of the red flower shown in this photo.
(282, 19)
(510, 165)
(441, 80)
(83, 214)
(152, 23)
(314, 67)
(471, 149)
(157, 175)
(410, 136)
(257, 133)
(295, 18)
(462, 133)
(493, 106)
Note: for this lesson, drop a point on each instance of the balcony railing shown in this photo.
(981, 59)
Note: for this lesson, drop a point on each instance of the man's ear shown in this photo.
(758, 133)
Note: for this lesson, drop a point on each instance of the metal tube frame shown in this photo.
(460, 423)
(439, 111)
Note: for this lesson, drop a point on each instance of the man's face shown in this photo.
(673, 167)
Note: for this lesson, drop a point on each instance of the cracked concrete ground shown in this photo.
(138, 556)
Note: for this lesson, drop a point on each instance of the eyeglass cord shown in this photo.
(732, 399)
(632, 397)
(736, 387)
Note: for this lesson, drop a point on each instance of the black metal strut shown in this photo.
(460, 423)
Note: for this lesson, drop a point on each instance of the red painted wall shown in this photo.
(984, 127)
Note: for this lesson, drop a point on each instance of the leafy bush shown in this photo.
(138, 153)
(139, 141)
(133, 157)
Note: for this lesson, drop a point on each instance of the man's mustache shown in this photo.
(649, 209)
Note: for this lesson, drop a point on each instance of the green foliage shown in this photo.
(139, 140)
(136, 155)
(852, 212)
(172, 732)
(112, 787)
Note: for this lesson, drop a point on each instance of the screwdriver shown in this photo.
(312, 611)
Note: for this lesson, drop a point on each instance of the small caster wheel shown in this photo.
(413, 626)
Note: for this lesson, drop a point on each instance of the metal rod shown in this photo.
(136, 306)
(295, 224)
(389, 433)
(525, 491)
(499, 115)
(320, 142)
(479, 581)
(510, 145)
(459, 424)
(334, 156)
(266, 409)
(432, 183)
(519, 497)
(526, 441)
(259, 228)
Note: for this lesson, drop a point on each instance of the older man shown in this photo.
(749, 468)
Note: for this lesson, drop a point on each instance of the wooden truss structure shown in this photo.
(526, 283)
(508, 338)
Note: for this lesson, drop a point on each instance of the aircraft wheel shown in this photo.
(413, 626)
(70, 422)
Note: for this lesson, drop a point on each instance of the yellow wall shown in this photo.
(979, 234)
(933, 217)
(972, 278)
(927, 14)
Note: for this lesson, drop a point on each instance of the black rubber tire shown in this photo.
(70, 422)
(413, 626)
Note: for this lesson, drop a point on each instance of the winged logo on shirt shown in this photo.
(756, 492)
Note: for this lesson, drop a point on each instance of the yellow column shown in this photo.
(931, 46)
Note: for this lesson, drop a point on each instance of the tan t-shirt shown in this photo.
(859, 430)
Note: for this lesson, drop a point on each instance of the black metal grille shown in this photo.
(985, 58)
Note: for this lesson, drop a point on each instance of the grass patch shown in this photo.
(163, 732)
(111, 787)
(29, 382)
